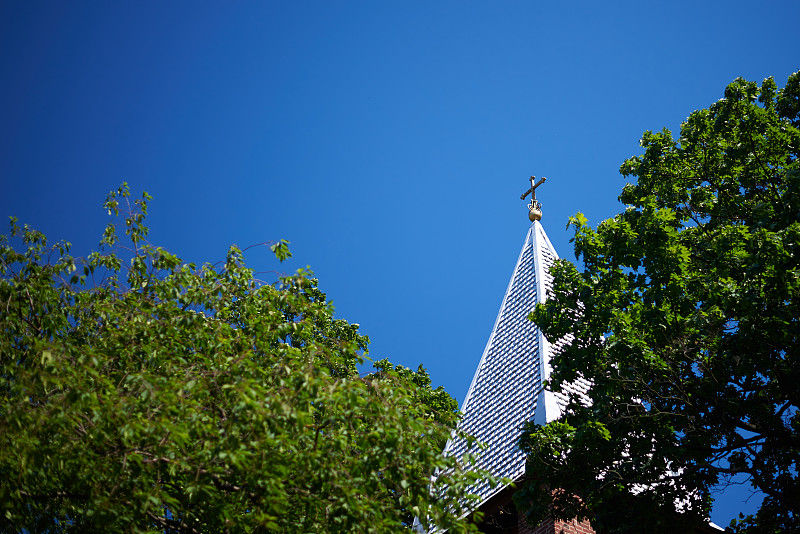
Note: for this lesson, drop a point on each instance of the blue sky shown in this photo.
(388, 141)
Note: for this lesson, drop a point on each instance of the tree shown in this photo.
(686, 319)
(142, 394)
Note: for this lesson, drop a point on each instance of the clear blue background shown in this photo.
(388, 141)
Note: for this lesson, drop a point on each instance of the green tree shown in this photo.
(142, 394)
(686, 318)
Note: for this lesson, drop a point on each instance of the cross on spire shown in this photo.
(535, 207)
(533, 188)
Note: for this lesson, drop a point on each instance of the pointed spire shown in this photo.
(508, 387)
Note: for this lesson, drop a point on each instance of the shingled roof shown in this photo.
(507, 389)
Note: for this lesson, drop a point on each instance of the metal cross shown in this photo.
(532, 190)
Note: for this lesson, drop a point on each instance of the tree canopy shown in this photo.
(142, 394)
(685, 316)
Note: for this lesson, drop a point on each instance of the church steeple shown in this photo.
(508, 387)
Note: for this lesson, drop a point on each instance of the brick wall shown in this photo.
(501, 517)
(555, 527)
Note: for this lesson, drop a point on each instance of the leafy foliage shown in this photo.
(686, 318)
(142, 394)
